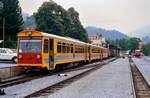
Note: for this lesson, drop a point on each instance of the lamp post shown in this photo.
(3, 19)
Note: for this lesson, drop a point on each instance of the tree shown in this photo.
(1, 7)
(13, 21)
(111, 42)
(146, 49)
(77, 30)
(48, 18)
(52, 18)
(126, 44)
(123, 44)
(133, 43)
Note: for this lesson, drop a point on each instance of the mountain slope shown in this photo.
(25, 15)
(143, 33)
(146, 39)
(108, 34)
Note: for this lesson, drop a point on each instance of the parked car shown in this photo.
(8, 54)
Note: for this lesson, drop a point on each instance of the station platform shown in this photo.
(8, 70)
(144, 67)
(111, 81)
(6, 64)
(147, 58)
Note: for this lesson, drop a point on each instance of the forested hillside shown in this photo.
(108, 34)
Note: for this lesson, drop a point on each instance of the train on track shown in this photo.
(137, 53)
(39, 50)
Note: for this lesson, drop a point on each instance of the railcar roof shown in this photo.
(68, 39)
(63, 38)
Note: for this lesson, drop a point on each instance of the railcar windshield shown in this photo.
(30, 46)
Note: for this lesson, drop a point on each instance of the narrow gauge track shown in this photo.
(141, 87)
(19, 80)
(55, 87)
(26, 78)
(30, 77)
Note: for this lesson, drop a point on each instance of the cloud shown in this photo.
(125, 15)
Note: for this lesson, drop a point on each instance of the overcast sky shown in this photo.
(123, 15)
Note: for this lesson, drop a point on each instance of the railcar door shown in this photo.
(101, 53)
(46, 52)
(51, 55)
(89, 51)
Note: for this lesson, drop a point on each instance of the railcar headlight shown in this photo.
(20, 56)
(38, 56)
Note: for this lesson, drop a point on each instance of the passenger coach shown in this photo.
(41, 50)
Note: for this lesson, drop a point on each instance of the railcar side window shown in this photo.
(76, 49)
(95, 50)
(80, 49)
(68, 48)
(71, 48)
(59, 47)
(45, 46)
(51, 44)
(83, 50)
(63, 47)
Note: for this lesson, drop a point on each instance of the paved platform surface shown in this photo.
(147, 57)
(144, 67)
(6, 64)
(111, 81)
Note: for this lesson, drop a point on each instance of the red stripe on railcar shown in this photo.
(29, 58)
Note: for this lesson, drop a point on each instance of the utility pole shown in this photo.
(3, 32)
(1, 5)
(3, 18)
